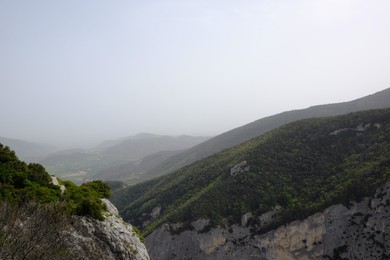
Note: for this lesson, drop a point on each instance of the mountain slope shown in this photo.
(301, 167)
(28, 151)
(244, 133)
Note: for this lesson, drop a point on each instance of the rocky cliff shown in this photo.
(44, 231)
(109, 239)
(357, 231)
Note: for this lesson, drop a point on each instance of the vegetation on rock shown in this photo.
(34, 212)
(21, 183)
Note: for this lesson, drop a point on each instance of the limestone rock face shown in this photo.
(45, 231)
(109, 239)
(360, 231)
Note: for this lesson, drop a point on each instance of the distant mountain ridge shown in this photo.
(126, 157)
(246, 132)
(28, 151)
(114, 159)
(133, 172)
(110, 143)
(142, 145)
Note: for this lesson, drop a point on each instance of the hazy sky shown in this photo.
(75, 72)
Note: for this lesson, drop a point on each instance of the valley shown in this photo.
(195, 130)
(300, 184)
(124, 159)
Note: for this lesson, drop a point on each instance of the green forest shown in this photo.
(21, 183)
(299, 168)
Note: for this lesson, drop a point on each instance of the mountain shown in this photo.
(44, 219)
(133, 172)
(28, 151)
(142, 145)
(287, 174)
(244, 133)
(66, 157)
(124, 158)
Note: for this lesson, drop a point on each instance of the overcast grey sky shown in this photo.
(76, 72)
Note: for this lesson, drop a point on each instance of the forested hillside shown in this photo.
(244, 133)
(297, 169)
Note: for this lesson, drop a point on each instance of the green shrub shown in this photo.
(90, 207)
(20, 183)
(101, 188)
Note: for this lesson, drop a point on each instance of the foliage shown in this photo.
(21, 182)
(101, 188)
(85, 200)
(90, 207)
(303, 167)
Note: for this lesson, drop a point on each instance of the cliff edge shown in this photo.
(44, 231)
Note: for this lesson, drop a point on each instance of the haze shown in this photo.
(78, 72)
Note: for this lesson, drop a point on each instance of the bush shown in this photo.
(101, 188)
(85, 200)
(21, 183)
(90, 207)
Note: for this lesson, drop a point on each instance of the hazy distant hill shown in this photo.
(115, 158)
(141, 145)
(28, 151)
(244, 133)
(132, 172)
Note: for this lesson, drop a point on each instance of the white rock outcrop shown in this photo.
(109, 239)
